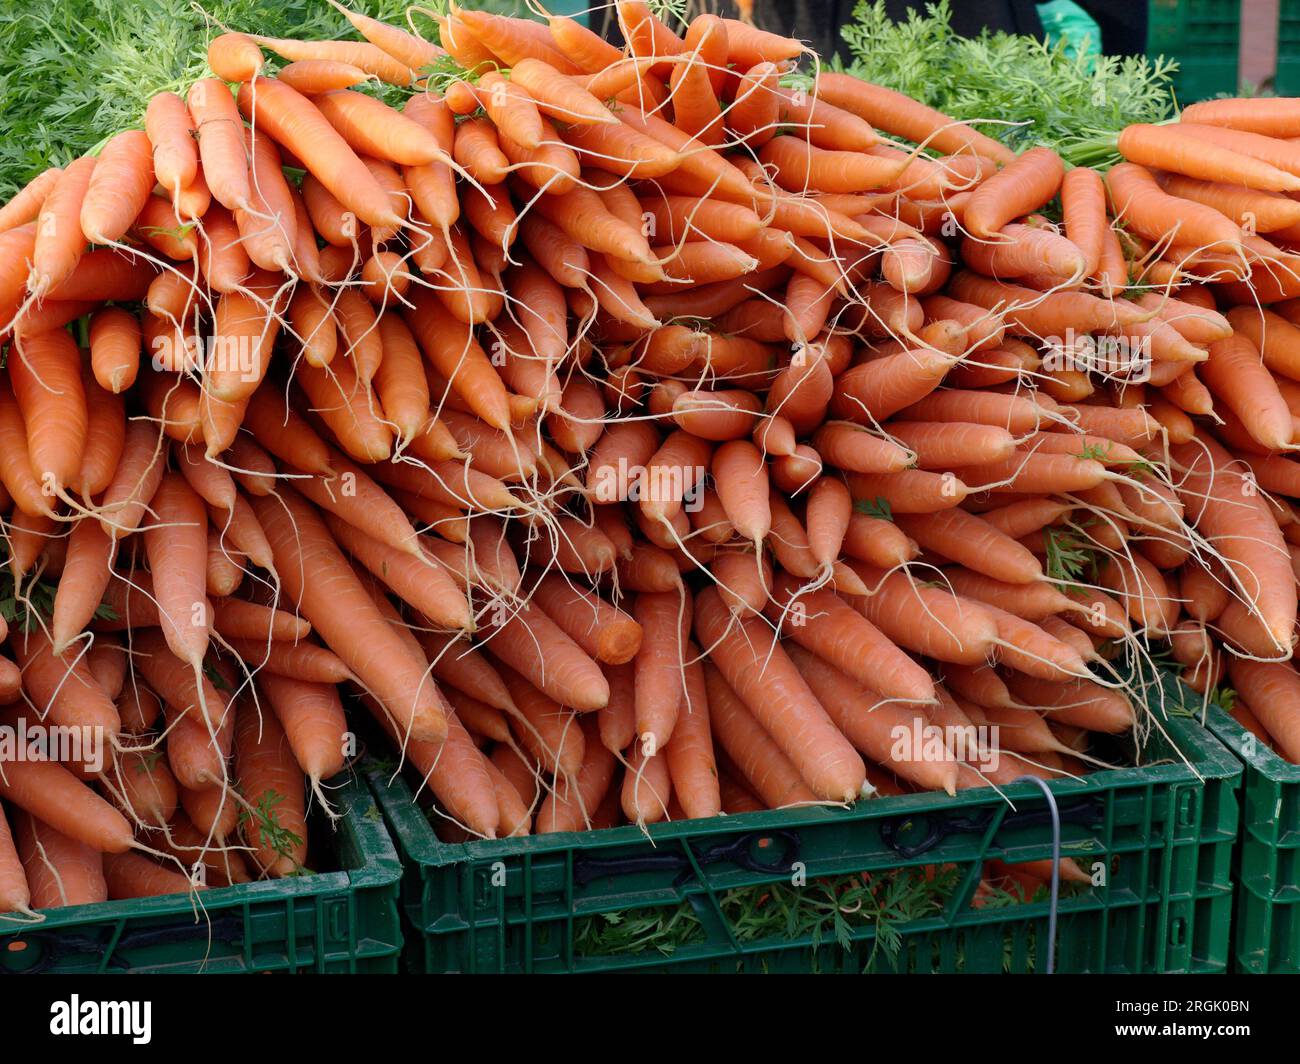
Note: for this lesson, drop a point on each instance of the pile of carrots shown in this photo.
(636, 433)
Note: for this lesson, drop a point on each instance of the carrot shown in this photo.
(418, 580)
(1239, 526)
(756, 667)
(118, 188)
(911, 491)
(1266, 687)
(408, 49)
(759, 759)
(946, 445)
(357, 633)
(873, 724)
(550, 732)
(82, 583)
(1170, 148)
(144, 788)
(271, 782)
(369, 57)
(829, 512)
(1140, 203)
(61, 686)
(932, 621)
(312, 77)
(1036, 314)
(52, 794)
(26, 203)
(604, 631)
(901, 115)
(826, 626)
(665, 621)
(1021, 187)
(300, 127)
(573, 802)
(131, 875)
(1079, 702)
(60, 870)
(874, 390)
(14, 893)
(972, 541)
(1236, 374)
(45, 373)
(234, 57)
(177, 547)
(221, 142)
(1263, 212)
(455, 663)
(60, 242)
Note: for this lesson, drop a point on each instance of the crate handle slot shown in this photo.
(56, 944)
(936, 826)
(739, 851)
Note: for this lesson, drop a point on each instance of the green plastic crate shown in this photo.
(1266, 936)
(1160, 837)
(335, 921)
(1286, 82)
(1204, 36)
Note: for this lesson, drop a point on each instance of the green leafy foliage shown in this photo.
(1070, 558)
(823, 910)
(74, 72)
(1040, 93)
(264, 821)
(877, 507)
(32, 605)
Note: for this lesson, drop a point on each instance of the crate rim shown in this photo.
(1260, 757)
(382, 867)
(424, 849)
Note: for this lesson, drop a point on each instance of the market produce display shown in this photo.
(636, 434)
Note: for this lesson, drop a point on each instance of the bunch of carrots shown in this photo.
(636, 433)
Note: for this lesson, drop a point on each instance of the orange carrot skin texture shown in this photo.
(59, 240)
(234, 57)
(119, 187)
(603, 630)
(647, 787)
(26, 205)
(178, 550)
(132, 875)
(14, 892)
(1270, 688)
(50, 792)
(170, 130)
(46, 377)
(60, 870)
(297, 124)
(873, 731)
(1169, 148)
(833, 630)
(61, 686)
(773, 691)
(312, 717)
(573, 803)
(265, 767)
(762, 762)
(221, 142)
(1020, 188)
(665, 620)
(1238, 524)
(900, 114)
(357, 633)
